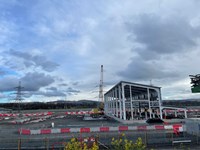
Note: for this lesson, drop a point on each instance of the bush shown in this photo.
(74, 144)
(124, 144)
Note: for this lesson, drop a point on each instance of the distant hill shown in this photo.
(59, 104)
(182, 103)
(197, 99)
(74, 102)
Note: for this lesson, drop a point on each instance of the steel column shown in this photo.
(120, 102)
(123, 101)
(131, 98)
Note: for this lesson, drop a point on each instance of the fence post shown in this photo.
(46, 143)
(19, 144)
(145, 138)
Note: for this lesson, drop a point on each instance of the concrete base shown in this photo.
(174, 120)
(127, 121)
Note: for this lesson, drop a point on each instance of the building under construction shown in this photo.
(133, 101)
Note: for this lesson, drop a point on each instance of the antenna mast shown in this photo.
(101, 86)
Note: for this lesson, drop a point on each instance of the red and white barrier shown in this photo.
(80, 112)
(176, 128)
(28, 115)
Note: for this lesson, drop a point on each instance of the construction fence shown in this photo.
(151, 139)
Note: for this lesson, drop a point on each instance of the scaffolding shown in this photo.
(133, 101)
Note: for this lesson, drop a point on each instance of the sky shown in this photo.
(56, 47)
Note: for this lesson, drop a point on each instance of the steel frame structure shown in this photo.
(129, 101)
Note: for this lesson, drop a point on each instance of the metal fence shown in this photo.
(150, 139)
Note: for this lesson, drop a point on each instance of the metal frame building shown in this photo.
(131, 101)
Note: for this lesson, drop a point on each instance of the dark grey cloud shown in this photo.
(44, 63)
(35, 60)
(159, 41)
(75, 83)
(71, 90)
(63, 84)
(34, 81)
(159, 35)
(52, 89)
(140, 69)
(54, 94)
(32, 84)
(48, 93)
(20, 54)
(8, 84)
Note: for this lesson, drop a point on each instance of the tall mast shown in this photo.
(101, 85)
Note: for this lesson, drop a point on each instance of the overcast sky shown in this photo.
(55, 47)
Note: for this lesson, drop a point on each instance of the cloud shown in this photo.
(71, 90)
(140, 69)
(160, 43)
(63, 84)
(34, 60)
(45, 94)
(35, 81)
(8, 33)
(75, 83)
(57, 44)
(2, 72)
(31, 84)
(52, 89)
(54, 92)
(8, 83)
(159, 35)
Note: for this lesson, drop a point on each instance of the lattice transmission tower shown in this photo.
(18, 99)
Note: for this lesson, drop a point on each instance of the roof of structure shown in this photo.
(137, 85)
